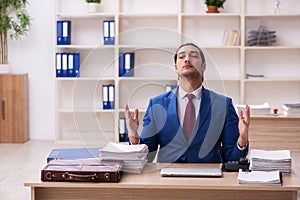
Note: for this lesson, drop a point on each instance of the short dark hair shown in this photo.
(191, 44)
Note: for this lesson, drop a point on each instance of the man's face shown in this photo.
(189, 62)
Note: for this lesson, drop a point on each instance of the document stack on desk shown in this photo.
(260, 177)
(291, 109)
(279, 160)
(263, 109)
(133, 156)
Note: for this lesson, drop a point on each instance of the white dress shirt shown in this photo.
(182, 101)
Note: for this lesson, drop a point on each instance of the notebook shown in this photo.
(191, 172)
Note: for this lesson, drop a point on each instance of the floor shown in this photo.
(23, 162)
(20, 163)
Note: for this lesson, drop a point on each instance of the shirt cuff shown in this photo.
(241, 148)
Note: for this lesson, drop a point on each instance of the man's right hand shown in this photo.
(132, 124)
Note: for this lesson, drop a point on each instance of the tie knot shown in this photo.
(190, 96)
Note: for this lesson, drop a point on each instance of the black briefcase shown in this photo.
(82, 170)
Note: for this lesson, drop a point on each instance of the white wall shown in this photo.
(34, 54)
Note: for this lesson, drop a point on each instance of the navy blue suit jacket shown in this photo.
(216, 126)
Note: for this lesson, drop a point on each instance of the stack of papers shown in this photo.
(134, 157)
(291, 109)
(261, 160)
(263, 109)
(260, 177)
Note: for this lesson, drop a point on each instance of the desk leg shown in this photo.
(32, 193)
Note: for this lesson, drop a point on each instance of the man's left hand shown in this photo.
(244, 122)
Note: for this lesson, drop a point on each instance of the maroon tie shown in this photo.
(189, 117)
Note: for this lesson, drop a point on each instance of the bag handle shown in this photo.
(80, 177)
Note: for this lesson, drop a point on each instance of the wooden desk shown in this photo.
(150, 185)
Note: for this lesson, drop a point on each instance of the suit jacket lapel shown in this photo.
(204, 107)
(171, 102)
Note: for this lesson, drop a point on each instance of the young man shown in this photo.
(211, 131)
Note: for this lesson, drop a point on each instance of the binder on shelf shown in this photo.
(58, 65)
(122, 130)
(111, 96)
(105, 97)
(64, 64)
(126, 64)
(63, 32)
(108, 96)
(73, 64)
(59, 30)
(109, 32)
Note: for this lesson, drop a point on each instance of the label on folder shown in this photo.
(64, 65)
(65, 30)
(112, 29)
(71, 63)
(58, 65)
(127, 61)
(106, 29)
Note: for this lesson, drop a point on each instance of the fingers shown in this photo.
(127, 112)
(247, 114)
(129, 117)
(241, 115)
(246, 118)
(136, 114)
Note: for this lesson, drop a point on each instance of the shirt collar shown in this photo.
(197, 93)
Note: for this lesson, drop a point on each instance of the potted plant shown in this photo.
(93, 5)
(214, 5)
(14, 22)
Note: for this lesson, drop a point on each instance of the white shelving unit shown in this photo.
(153, 33)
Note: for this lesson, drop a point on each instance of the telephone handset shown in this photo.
(234, 166)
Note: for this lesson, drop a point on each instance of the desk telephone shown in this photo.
(234, 166)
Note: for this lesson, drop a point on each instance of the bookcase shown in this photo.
(153, 30)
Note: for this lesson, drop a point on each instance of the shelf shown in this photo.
(150, 46)
(217, 15)
(275, 117)
(86, 79)
(147, 79)
(148, 15)
(84, 110)
(220, 47)
(283, 79)
(234, 79)
(85, 15)
(271, 15)
(153, 30)
(132, 110)
(85, 47)
(272, 48)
